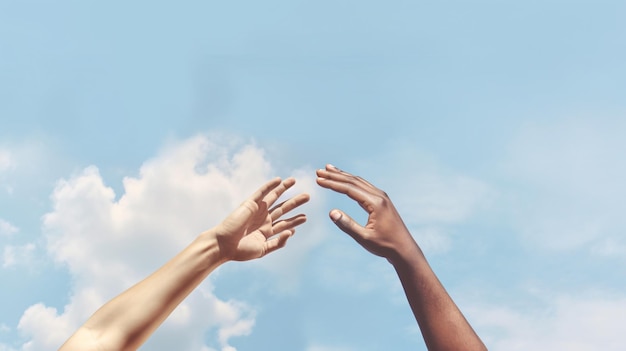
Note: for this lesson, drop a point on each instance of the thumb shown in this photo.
(347, 224)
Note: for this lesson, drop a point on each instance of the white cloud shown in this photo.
(570, 189)
(6, 228)
(238, 327)
(108, 244)
(564, 323)
(47, 328)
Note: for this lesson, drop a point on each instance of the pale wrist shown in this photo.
(210, 245)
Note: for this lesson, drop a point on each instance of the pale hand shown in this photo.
(255, 228)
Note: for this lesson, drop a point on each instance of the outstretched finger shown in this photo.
(279, 210)
(335, 173)
(355, 192)
(265, 189)
(277, 241)
(288, 223)
(276, 193)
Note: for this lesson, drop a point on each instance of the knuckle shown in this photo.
(380, 201)
(352, 180)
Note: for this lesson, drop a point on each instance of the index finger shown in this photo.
(353, 191)
(337, 174)
(265, 189)
(278, 190)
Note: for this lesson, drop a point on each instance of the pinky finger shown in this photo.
(278, 241)
(288, 223)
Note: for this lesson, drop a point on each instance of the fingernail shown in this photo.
(331, 166)
(335, 215)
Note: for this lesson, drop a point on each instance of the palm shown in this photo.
(255, 229)
(253, 241)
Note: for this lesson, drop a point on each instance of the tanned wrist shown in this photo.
(409, 252)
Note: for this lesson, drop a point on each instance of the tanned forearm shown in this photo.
(442, 324)
(440, 320)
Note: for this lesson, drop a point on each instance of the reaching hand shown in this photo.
(442, 324)
(253, 230)
(385, 233)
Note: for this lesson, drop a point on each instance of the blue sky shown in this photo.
(495, 126)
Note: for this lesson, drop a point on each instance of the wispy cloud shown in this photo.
(428, 195)
(6, 160)
(6, 164)
(17, 254)
(6, 228)
(567, 183)
(28, 166)
(566, 322)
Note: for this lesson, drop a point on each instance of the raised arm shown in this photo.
(253, 230)
(440, 320)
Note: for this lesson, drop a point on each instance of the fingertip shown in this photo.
(335, 215)
(300, 218)
(282, 240)
(277, 241)
(322, 172)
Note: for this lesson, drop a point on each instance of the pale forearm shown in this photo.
(442, 324)
(251, 231)
(126, 321)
